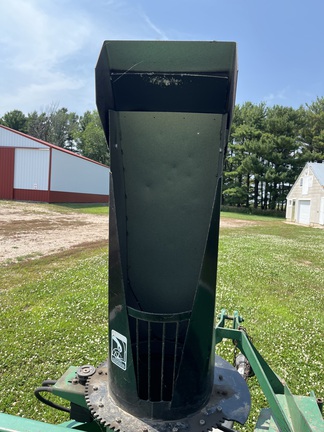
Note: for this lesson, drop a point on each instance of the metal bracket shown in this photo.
(289, 413)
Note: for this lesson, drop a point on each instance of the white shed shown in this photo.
(34, 170)
(305, 201)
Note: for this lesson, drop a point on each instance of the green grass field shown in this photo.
(54, 311)
(80, 208)
(273, 274)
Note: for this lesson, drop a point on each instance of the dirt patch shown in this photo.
(235, 223)
(30, 231)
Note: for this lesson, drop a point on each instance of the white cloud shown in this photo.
(48, 50)
(278, 97)
(36, 43)
(160, 34)
(37, 39)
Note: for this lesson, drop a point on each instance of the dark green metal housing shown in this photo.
(166, 108)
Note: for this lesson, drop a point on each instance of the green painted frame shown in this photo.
(290, 413)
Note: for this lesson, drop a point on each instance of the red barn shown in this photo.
(34, 170)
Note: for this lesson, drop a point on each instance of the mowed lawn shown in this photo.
(54, 311)
(273, 274)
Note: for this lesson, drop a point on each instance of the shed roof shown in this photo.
(318, 170)
(47, 144)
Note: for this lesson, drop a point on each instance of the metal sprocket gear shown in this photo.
(230, 400)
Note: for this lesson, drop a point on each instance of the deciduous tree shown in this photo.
(16, 120)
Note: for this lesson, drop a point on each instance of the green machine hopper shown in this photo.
(166, 110)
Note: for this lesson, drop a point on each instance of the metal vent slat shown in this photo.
(157, 345)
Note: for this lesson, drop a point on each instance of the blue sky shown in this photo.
(49, 48)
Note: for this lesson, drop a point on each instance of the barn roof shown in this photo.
(47, 144)
(318, 170)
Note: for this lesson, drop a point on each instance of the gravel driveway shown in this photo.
(29, 230)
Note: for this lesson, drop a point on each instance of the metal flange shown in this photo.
(230, 400)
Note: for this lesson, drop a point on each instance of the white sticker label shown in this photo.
(118, 349)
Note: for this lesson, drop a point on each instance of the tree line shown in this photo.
(267, 149)
(268, 146)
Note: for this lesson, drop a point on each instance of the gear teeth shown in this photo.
(106, 413)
